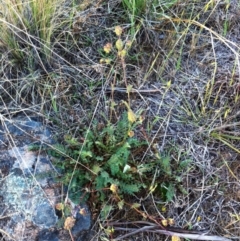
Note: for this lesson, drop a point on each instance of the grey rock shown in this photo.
(27, 198)
(22, 181)
(5, 165)
(83, 222)
(89, 235)
(46, 235)
(44, 215)
(14, 130)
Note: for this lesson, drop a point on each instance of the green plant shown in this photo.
(162, 6)
(170, 174)
(102, 159)
(135, 7)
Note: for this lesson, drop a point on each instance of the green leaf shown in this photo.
(99, 158)
(165, 163)
(102, 180)
(58, 150)
(71, 140)
(96, 169)
(100, 144)
(105, 211)
(34, 147)
(129, 188)
(170, 192)
(185, 163)
(105, 174)
(85, 154)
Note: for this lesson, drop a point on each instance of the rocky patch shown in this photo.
(27, 194)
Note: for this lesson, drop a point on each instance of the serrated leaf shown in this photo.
(85, 154)
(129, 188)
(165, 163)
(71, 140)
(96, 169)
(100, 144)
(102, 180)
(105, 174)
(170, 192)
(185, 163)
(99, 158)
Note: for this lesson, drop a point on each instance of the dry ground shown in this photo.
(183, 67)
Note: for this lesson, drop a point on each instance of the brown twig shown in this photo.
(170, 231)
(124, 90)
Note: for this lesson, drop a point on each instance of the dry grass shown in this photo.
(183, 67)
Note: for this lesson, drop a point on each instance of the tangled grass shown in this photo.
(181, 73)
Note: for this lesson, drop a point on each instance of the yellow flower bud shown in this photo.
(131, 116)
(122, 53)
(107, 48)
(118, 30)
(119, 44)
(114, 188)
(69, 223)
(171, 221)
(175, 238)
(128, 44)
(59, 206)
(131, 133)
(108, 61)
(164, 222)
